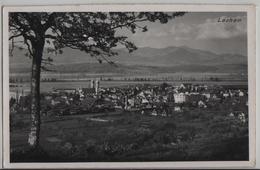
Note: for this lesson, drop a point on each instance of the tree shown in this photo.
(93, 33)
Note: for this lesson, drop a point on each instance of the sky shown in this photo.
(198, 30)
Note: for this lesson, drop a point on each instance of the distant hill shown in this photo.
(172, 56)
(150, 60)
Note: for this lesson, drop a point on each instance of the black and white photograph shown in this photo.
(131, 85)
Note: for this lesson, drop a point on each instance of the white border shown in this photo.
(250, 9)
(1, 96)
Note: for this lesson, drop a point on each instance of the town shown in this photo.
(155, 100)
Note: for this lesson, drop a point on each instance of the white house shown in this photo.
(131, 102)
(177, 109)
(241, 94)
(207, 95)
(154, 113)
(179, 97)
(242, 117)
(225, 94)
(182, 86)
(145, 101)
(201, 104)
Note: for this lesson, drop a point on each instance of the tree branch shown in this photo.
(127, 24)
(14, 36)
(12, 47)
(28, 47)
(50, 36)
(49, 21)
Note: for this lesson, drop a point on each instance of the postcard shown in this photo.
(129, 86)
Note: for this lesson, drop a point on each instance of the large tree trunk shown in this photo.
(34, 135)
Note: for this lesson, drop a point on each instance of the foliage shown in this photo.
(218, 137)
(93, 33)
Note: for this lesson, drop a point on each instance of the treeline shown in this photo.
(165, 79)
(22, 80)
(216, 79)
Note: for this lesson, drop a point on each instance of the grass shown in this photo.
(133, 137)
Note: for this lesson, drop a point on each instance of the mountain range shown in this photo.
(146, 59)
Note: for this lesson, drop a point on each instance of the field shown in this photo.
(194, 135)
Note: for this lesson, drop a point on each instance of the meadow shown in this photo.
(195, 135)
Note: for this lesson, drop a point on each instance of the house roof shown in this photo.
(88, 90)
(88, 102)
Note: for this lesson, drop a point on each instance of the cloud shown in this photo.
(182, 31)
(202, 32)
(210, 29)
(213, 29)
(158, 33)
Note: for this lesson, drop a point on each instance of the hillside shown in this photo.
(150, 60)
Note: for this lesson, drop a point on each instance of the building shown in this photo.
(207, 95)
(97, 83)
(241, 94)
(177, 109)
(179, 98)
(18, 94)
(92, 84)
(88, 91)
(201, 104)
(14, 95)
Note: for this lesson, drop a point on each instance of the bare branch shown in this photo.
(28, 47)
(14, 36)
(50, 36)
(128, 23)
(50, 21)
(12, 48)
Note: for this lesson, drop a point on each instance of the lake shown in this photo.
(48, 86)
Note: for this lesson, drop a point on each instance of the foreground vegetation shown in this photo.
(188, 136)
